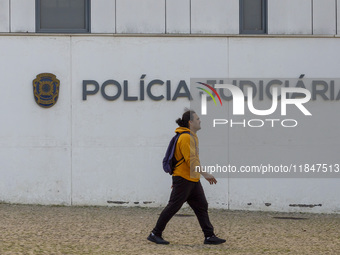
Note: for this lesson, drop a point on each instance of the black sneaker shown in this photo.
(156, 239)
(213, 240)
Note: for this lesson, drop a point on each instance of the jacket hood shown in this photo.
(184, 129)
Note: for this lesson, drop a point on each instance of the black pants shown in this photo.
(186, 191)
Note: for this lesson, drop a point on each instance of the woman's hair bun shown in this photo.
(179, 122)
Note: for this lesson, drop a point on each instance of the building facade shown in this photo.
(123, 67)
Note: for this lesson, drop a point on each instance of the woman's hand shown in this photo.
(210, 178)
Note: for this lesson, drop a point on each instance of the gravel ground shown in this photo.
(32, 229)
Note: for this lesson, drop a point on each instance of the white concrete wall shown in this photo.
(122, 143)
(135, 16)
(22, 16)
(338, 16)
(90, 152)
(324, 17)
(286, 57)
(214, 17)
(4, 16)
(103, 16)
(35, 143)
(178, 16)
(289, 17)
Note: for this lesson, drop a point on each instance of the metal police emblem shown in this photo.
(46, 89)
